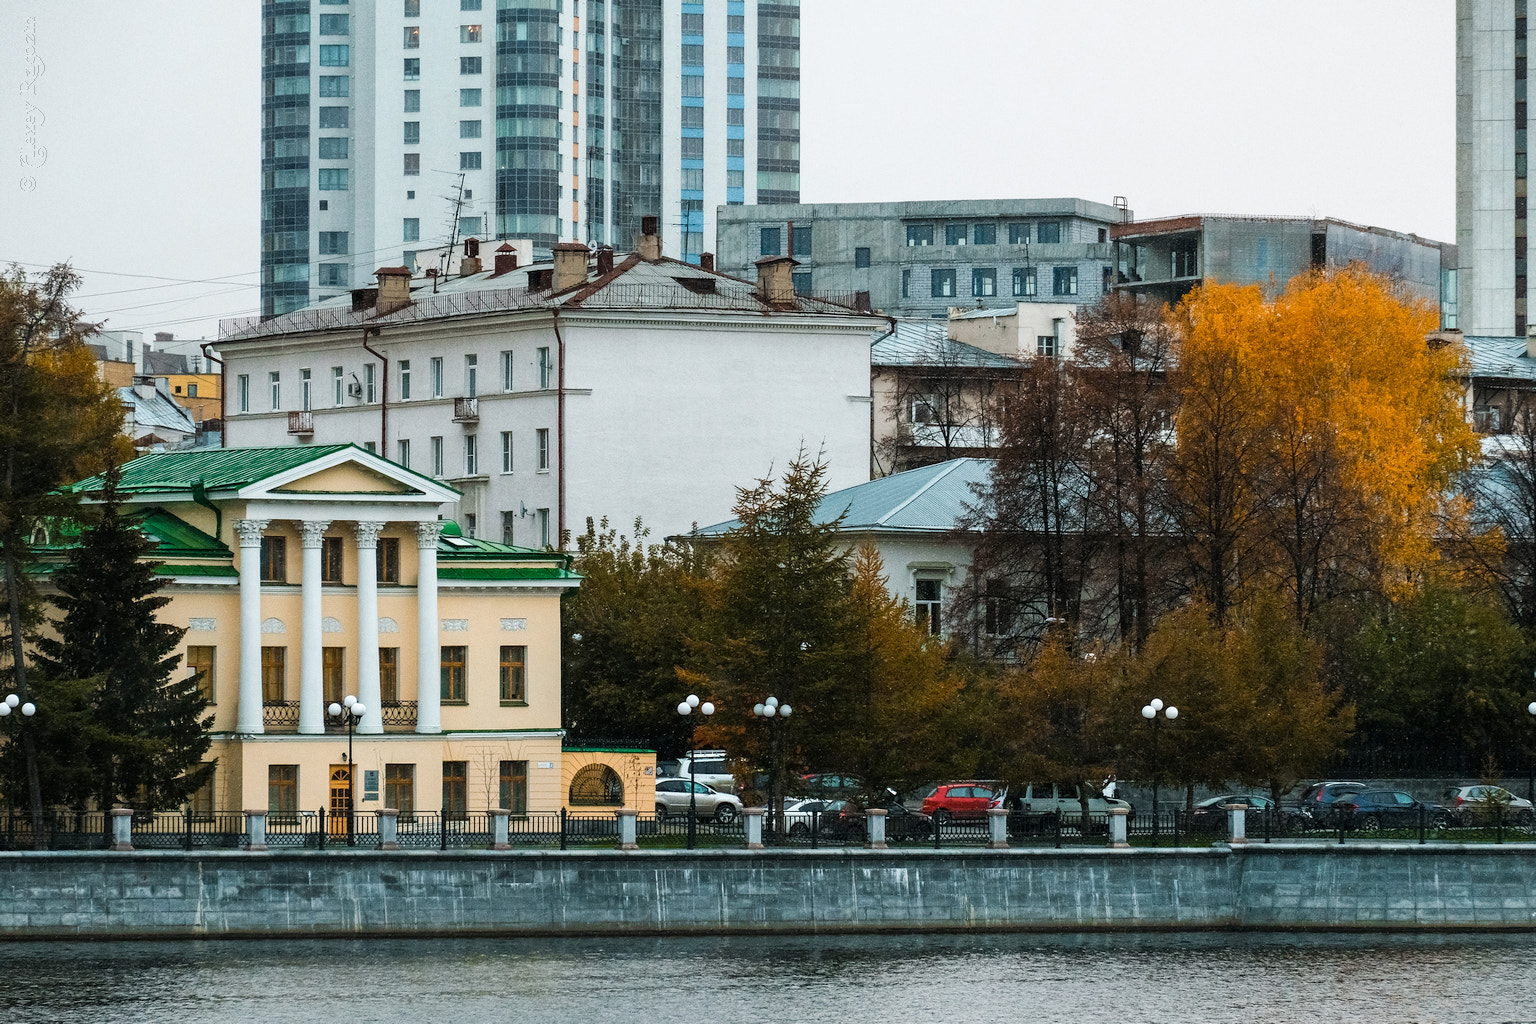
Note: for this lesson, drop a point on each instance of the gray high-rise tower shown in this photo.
(396, 126)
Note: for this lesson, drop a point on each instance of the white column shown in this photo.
(368, 626)
(311, 673)
(429, 709)
(248, 716)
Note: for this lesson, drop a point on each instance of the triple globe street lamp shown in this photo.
(686, 709)
(775, 713)
(1150, 712)
(347, 714)
(13, 702)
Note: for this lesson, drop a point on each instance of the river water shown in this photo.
(1189, 979)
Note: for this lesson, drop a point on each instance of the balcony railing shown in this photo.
(399, 714)
(466, 410)
(280, 715)
(301, 422)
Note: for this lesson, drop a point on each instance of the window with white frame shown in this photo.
(506, 371)
(370, 384)
(471, 455)
(545, 369)
(929, 605)
(506, 451)
(543, 527)
(437, 456)
(543, 447)
(471, 376)
(243, 389)
(338, 386)
(405, 380)
(275, 382)
(304, 389)
(435, 371)
(403, 452)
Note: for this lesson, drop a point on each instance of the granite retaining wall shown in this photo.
(1311, 886)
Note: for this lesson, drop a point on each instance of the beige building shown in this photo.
(305, 575)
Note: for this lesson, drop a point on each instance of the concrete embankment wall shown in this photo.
(1303, 886)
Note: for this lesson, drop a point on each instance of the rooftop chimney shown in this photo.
(706, 261)
(394, 289)
(775, 280)
(364, 298)
(470, 263)
(506, 259)
(570, 265)
(164, 337)
(605, 260)
(648, 245)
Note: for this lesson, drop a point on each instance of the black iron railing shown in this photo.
(280, 714)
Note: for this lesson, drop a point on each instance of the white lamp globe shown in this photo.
(1157, 703)
(11, 700)
(1172, 712)
(707, 708)
(693, 700)
(784, 710)
(350, 700)
(684, 708)
(5, 709)
(29, 709)
(1531, 707)
(334, 709)
(758, 709)
(359, 709)
(1148, 712)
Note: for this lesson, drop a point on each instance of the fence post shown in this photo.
(1118, 819)
(389, 828)
(1421, 826)
(997, 827)
(122, 829)
(874, 818)
(499, 818)
(754, 816)
(188, 845)
(1267, 822)
(1341, 828)
(562, 828)
(1057, 827)
(815, 828)
(320, 840)
(1237, 823)
(442, 830)
(1498, 825)
(256, 831)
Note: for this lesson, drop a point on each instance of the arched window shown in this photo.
(597, 785)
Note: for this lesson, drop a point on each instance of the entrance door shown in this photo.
(341, 799)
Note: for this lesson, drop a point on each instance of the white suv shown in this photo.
(1038, 797)
(709, 767)
(672, 797)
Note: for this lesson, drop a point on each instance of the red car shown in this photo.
(959, 801)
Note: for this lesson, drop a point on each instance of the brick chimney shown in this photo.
(605, 260)
(469, 263)
(570, 265)
(506, 260)
(394, 289)
(775, 280)
(706, 261)
(164, 338)
(648, 245)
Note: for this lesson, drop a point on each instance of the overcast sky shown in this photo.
(151, 123)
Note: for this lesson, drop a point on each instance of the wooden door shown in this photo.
(341, 799)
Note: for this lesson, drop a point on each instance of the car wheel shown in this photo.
(799, 829)
(725, 814)
(941, 816)
(1370, 824)
(661, 812)
(1439, 822)
(1525, 817)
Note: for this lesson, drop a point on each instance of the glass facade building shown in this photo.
(396, 126)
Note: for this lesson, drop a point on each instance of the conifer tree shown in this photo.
(149, 737)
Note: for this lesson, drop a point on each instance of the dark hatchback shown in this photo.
(1376, 809)
(1316, 805)
(1210, 815)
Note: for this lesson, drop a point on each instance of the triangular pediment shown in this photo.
(347, 478)
(350, 474)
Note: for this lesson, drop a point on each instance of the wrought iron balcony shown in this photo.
(301, 422)
(280, 715)
(466, 410)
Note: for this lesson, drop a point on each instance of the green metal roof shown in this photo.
(470, 572)
(178, 538)
(168, 569)
(216, 468)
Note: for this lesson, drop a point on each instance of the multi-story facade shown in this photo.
(304, 575)
(923, 258)
(1163, 259)
(574, 388)
(403, 125)
(1491, 158)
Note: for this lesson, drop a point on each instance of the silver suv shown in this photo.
(709, 767)
(672, 798)
(1045, 797)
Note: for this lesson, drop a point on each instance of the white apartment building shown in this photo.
(568, 389)
(396, 126)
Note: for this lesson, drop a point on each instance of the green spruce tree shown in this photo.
(149, 736)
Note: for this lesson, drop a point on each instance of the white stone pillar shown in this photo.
(248, 716)
(429, 707)
(754, 818)
(1117, 828)
(997, 828)
(875, 817)
(1239, 822)
(122, 829)
(311, 671)
(389, 828)
(256, 831)
(499, 817)
(368, 626)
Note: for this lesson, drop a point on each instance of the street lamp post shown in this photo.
(775, 713)
(1530, 783)
(347, 714)
(686, 709)
(1150, 712)
(29, 751)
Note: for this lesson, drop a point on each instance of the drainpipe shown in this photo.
(559, 431)
(384, 394)
(872, 344)
(223, 390)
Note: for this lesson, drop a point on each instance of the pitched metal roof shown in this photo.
(932, 499)
(217, 469)
(927, 343)
(151, 408)
(1499, 357)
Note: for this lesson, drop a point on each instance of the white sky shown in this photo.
(152, 126)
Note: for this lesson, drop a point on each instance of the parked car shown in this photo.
(1316, 803)
(799, 815)
(1210, 815)
(1372, 810)
(959, 801)
(672, 798)
(1049, 798)
(709, 767)
(850, 822)
(1481, 805)
(825, 786)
